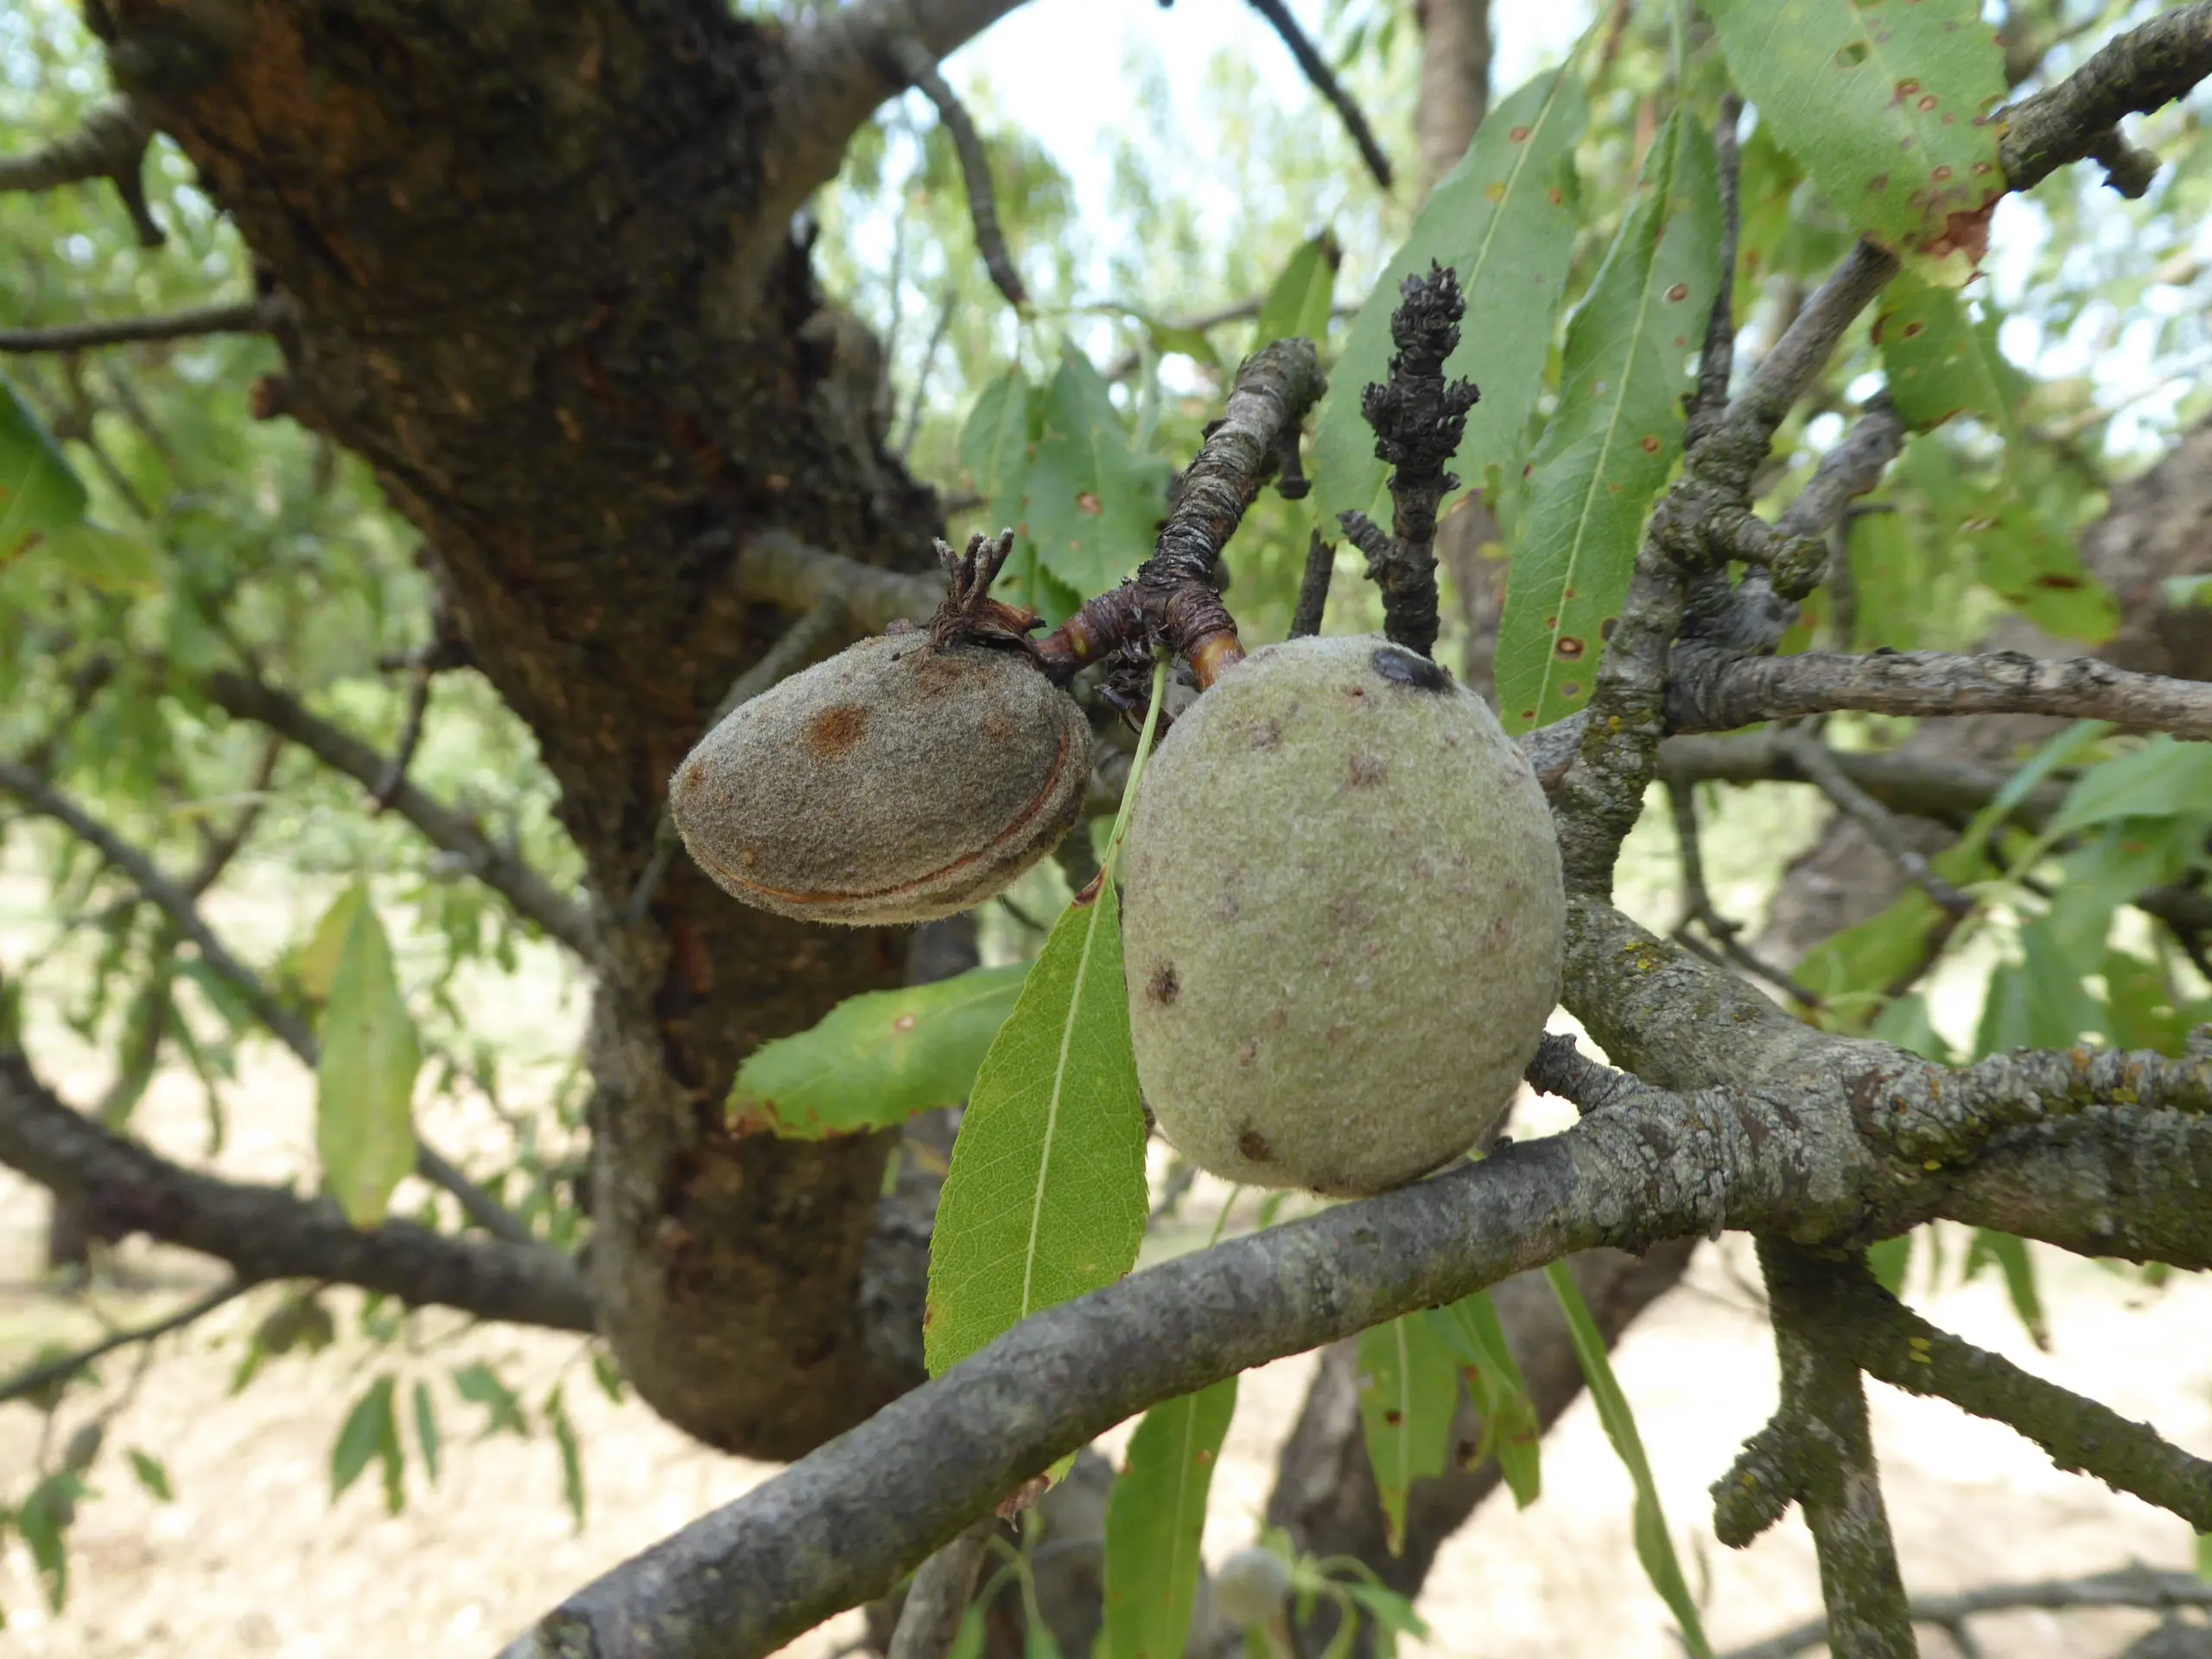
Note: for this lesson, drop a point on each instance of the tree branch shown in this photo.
(110, 143)
(914, 60)
(267, 1233)
(1895, 1344)
(1315, 67)
(1821, 1422)
(2133, 1586)
(243, 317)
(1718, 696)
(36, 1379)
(841, 1524)
(2137, 72)
(1698, 906)
(287, 1026)
(534, 897)
(930, 1622)
(1173, 601)
(776, 568)
(1717, 358)
(1813, 758)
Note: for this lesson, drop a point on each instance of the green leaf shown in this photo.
(1297, 305)
(152, 1476)
(105, 559)
(1655, 1548)
(572, 1462)
(1504, 219)
(2038, 1001)
(40, 494)
(1408, 1392)
(1939, 363)
(995, 447)
(2011, 1255)
(1154, 1521)
(2142, 1009)
(42, 1519)
(315, 964)
(372, 1430)
(877, 1059)
(365, 1085)
(426, 1429)
(2162, 778)
(1884, 104)
(1850, 970)
(1047, 1196)
(1889, 1259)
(1906, 1022)
(1093, 507)
(1616, 434)
(1511, 1431)
(480, 1385)
(2127, 857)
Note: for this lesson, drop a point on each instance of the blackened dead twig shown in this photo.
(245, 317)
(915, 62)
(110, 143)
(1315, 67)
(1418, 417)
(969, 612)
(1313, 588)
(1813, 759)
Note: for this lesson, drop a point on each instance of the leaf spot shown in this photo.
(1569, 646)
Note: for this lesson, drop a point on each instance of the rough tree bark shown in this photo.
(537, 266)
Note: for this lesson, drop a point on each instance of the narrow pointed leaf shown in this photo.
(1154, 1519)
(1297, 305)
(1885, 105)
(1045, 1199)
(1655, 1547)
(2018, 1269)
(364, 1084)
(1616, 434)
(1511, 1431)
(152, 1475)
(426, 1430)
(876, 1060)
(39, 493)
(367, 1428)
(1505, 219)
(1409, 1389)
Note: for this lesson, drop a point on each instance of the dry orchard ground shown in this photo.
(252, 1558)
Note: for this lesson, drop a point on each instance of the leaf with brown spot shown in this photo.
(875, 1060)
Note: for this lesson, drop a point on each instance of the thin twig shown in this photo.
(1681, 800)
(287, 1026)
(1323, 79)
(938, 332)
(1813, 759)
(109, 143)
(1313, 586)
(917, 65)
(2136, 72)
(38, 1378)
(410, 735)
(500, 867)
(1720, 696)
(785, 657)
(1717, 360)
(244, 317)
(2134, 1586)
(936, 1601)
